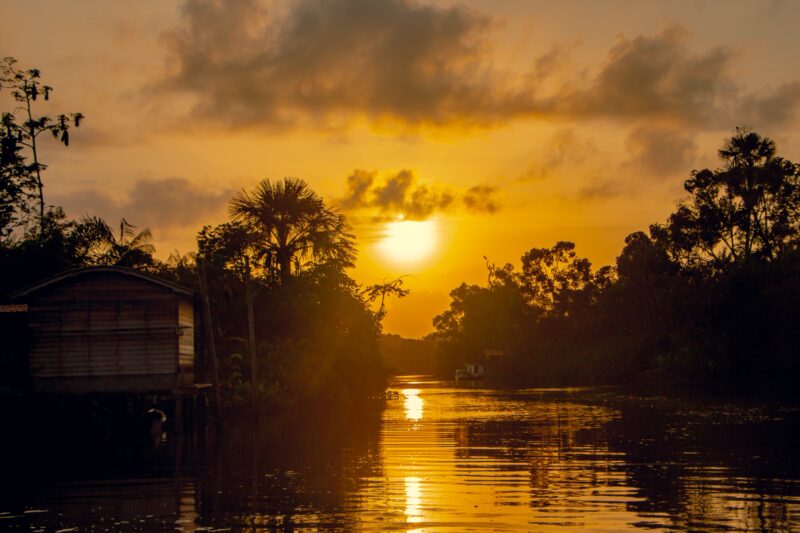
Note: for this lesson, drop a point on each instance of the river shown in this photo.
(439, 458)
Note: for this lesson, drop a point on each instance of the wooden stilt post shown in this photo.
(212, 347)
(251, 340)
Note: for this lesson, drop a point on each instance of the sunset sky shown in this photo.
(445, 131)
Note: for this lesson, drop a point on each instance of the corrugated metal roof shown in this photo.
(103, 269)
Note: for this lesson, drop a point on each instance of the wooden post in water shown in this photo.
(209, 327)
(251, 337)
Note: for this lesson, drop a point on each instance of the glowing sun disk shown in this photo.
(409, 241)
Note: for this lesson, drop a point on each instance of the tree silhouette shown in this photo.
(17, 184)
(234, 247)
(89, 241)
(382, 290)
(130, 249)
(749, 208)
(293, 225)
(552, 277)
(26, 87)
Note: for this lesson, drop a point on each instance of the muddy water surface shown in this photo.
(439, 458)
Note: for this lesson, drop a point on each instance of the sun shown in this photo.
(409, 241)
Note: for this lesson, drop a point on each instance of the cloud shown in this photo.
(160, 204)
(657, 77)
(392, 194)
(322, 59)
(402, 195)
(601, 189)
(358, 186)
(779, 107)
(661, 151)
(327, 63)
(564, 148)
(480, 199)
(398, 195)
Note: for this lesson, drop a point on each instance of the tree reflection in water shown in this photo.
(440, 458)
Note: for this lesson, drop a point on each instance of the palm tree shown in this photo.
(747, 149)
(89, 241)
(763, 190)
(293, 225)
(131, 249)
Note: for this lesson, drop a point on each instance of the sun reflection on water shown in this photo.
(413, 500)
(413, 404)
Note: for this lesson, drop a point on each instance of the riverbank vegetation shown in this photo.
(284, 323)
(707, 298)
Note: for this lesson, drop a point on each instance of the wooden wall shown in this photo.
(186, 327)
(107, 325)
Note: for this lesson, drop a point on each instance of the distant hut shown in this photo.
(108, 329)
(482, 367)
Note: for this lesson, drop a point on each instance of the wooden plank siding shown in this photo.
(113, 327)
(186, 336)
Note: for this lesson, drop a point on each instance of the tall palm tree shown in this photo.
(91, 241)
(131, 249)
(762, 190)
(747, 149)
(293, 225)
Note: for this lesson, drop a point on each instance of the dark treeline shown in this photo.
(707, 299)
(409, 356)
(285, 316)
(276, 275)
(284, 323)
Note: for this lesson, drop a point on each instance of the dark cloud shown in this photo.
(320, 59)
(159, 204)
(401, 194)
(392, 194)
(480, 199)
(657, 77)
(661, 151)
(358, 186)
(777, 108)
(325, 63)
(425, 201)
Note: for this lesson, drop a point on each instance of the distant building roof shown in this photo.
(180, 289)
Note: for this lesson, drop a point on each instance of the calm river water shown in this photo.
(447, 459)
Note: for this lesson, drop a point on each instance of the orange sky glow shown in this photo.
(445, 131)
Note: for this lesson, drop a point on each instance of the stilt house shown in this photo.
(109, 329)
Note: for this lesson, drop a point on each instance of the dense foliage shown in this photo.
(279, 289)
(707, 299)
(20, 129)
(295, 336)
